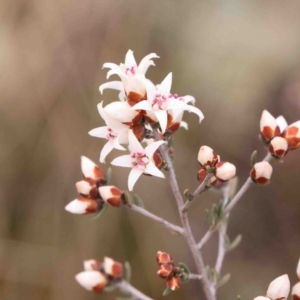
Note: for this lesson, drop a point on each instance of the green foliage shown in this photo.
(185, 272)
(232, 245)
(138, 201)
(101, 212)
(215, 215)
(127, 271)
(253, 158)
(214, 277)
(167, 291)
(108, 176)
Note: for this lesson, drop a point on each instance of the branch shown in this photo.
(195, 276)
(221, 247)
(155, 218)
(135, 293)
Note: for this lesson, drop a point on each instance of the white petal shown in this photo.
(176, 104)
(100, 132)
(153, 170)
(162, 117)
(115, 85)
(122, 96)
(188, 99)
(90, 265)
(101, 111)
(106, 150)
(296, 290)
(112, 66)
(123, 161)
(261, 298)
(150, 149)
(120, 111)
(166, 84)
(267, 120)
(77, 207)
(122, 75)
(117, 145)
(143, 105)
(151, 90)
(196, 111)
(134, 175)
(282, 123)
(279, 288)
(88, 167)
(184, 125)
(129, 59)
(146, 62)
(134, 144)
(90, 279)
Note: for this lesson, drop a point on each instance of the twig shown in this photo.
(135, 293)
(149, 215)
(195, 276)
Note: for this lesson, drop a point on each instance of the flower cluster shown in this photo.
(142, 106)
(98, 276)
(279, 136)
(296, 287)
(210, 163)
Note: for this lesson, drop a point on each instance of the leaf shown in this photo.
(127, 271)
(108, 176)
(127, 197)
(167, 291)
(233, 184)
(184, 267)
(185, 272)
(110, 288)
(138, 201)
(235, 243)
(101, 212)
(253, 159)
(223, 280)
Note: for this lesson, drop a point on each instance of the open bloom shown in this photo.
(159, 102)
(140, 160)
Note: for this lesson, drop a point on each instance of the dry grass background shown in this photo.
(236, 57)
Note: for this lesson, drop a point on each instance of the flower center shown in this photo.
(159, 102)
(110, 135)
(139, 160)
(131, 71)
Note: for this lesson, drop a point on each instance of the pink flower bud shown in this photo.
(112, 195)
(278, 146)
(292, 135)
(165, 271)
(224, 171)
(201, 174)
(268, 126)
(112, 268)
(91, 171)
(296, 291)
(261, 172)
(92, 280)
(279, 288)
(82, 206)
(91, 265)
(174, 283)
(207, 157)
(163, 258)
(86, 188)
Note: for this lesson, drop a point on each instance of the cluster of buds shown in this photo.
(174, 275)
(296, 287)
(261, 173)
(97, 276)
(278, 289)
(210, 163)
(93, 191)
(279, 136)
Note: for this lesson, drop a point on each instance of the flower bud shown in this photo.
(201, 174)
(268, 126)
(207, 157)
(224, 171)
(279, 288)
(282, 123)
(261, 298)
(91, 265)
(261, 172)
(91, 171)
(86, 188)
(296, 291)
(213, 181)
(165, 271)
(112, 195)
(292, 135)
(278, 146)
(82, 206)
(174, 283)
(163, 258)
(112, 268)
(92, 280)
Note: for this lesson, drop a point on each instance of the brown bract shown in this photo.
(290, 134)
(268, 133)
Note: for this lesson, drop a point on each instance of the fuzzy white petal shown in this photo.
(129, 59)
(134, 144)
(117, 145)
(146, 62)
(123, 161)
(120, 111)
(188, 99)
(142, 105)
(101, 111)
(196, 111)
(282, 123)
(134, 175)
(121, 74)
(112, 66)
(162, 117)
(100, 132)
(184, 125)
(279, 288)
(153, 170)
(76, 207)
(114, 85)
(107, 148)
(165, 86)
(90, 279)
(150, 149)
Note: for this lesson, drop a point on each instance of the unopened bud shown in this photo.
(224, 171)
(261, 298)
(165, 271)
(207, 157)
(278, 146)
(279, 288)
(292, 135)
(86, 188)
(82, 206)
(282, 123)
(91, 171)
(112, 195)
(91, 265)
(201, 174)
(163, 258)
(92, 280)
(174, 283)
(112, 268)
(213, 181)
(296, 291)
(261, 172)
(268, 126)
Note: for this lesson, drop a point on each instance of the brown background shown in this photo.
(236, 57)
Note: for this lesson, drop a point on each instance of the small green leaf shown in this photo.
(110, 288)
(253, 158)
(186, 194)
(127, 198)
(127, 271)
(101, 212)
(108, 176)
(184, 267)
(167, 291)
(138, 201)
(235, 243)
(223, 280)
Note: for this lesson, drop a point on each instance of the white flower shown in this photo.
(140, 160)
(131, 74)
(160, 101)
(279, 288)
(92, 280)
(111, 195)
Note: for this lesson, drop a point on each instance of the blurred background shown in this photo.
(236, 57)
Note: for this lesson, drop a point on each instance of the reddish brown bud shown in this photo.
(91, 171)
(201, 174)
(278, 146)
(91, 265)
(268, 126)
(92, 280)
(292, 135)
(112, 195)
(165, 271)
(112, 268)
(163, 258)
(207, 157)
(87, 188)
(174, 283)
(82, 206)
(224, 171)
(261, 172)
